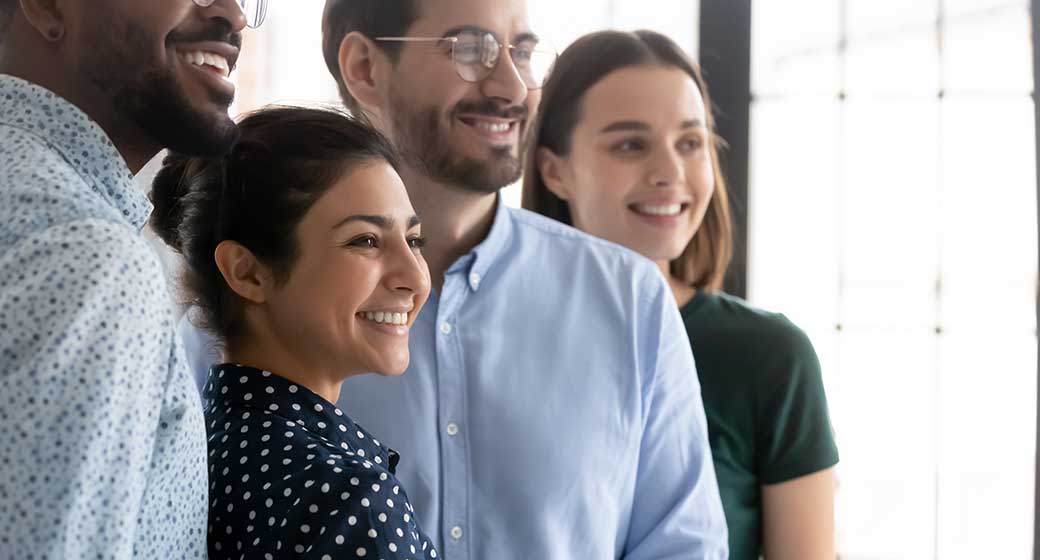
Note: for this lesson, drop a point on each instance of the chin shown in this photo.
(394, 366)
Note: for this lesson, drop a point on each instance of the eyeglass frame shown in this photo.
(260, 18)
(454, 40)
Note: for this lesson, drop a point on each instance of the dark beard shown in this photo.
(149, 97)
(418, 137)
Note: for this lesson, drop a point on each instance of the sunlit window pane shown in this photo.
(794, 47)
(988, 50)
(563, 22)
(987, 430)
(678, 20)
(878, 20)
(884, 417)
(989, 214)
(889, 206)
(904, 61)
(795, 200)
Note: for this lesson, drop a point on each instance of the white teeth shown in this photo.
(659, 210)
(496, 128)
(387, 317)
(200, 58)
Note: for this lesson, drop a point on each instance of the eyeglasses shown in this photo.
(476, 55)
(254, 10)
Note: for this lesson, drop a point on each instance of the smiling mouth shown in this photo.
(390, 318)
(498, 131)
(660, 210)
(208, 61)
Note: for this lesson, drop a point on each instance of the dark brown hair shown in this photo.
(286, 159)
(371, 18)
(7, 9)
(587, 61)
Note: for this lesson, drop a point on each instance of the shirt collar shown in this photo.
(486, 254)
(80, 140)
(236, 385)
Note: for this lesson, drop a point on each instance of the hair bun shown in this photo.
(184, 187)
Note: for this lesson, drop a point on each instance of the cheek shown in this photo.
(702, 178)
(606, 182)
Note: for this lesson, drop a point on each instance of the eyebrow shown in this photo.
(381, 222)
(628, 126)
(525, 36)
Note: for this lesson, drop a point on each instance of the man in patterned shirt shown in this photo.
(102, 443)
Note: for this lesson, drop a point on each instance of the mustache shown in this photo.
(218, 32)
(490, 108)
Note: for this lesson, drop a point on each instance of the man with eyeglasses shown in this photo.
(102, 442)
(552, 408)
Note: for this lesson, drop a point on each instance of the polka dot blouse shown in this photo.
(291, 476)
(102, 441)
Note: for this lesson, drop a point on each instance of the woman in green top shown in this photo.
(624, 148)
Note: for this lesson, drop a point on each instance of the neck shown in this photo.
(264, 350)
(48, 71)
(453, 219)
(682, 291)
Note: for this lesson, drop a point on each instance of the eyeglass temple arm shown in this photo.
(416, 39)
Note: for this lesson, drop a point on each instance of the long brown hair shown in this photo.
(703, 262)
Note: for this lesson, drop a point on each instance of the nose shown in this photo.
(666, 169)
(229, 11)
(505, 82)
(407, 272)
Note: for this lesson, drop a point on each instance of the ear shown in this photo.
(243, 272)
(360, 63)
(45, 16)
(553, 169)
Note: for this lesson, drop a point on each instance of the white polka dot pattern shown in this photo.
(102, 453)
(291, 476)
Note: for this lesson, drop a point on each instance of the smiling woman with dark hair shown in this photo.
(303, 258)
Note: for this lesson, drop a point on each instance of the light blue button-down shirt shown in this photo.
(102, 441)
(551, 409)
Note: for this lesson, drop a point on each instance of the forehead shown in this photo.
(505, 18)
(370, 187)
(644, 93)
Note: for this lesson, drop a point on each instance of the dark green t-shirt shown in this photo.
(765, 403)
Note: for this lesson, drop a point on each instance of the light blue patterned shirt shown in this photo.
(102, 441)
(551, 409)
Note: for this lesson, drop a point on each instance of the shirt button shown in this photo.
(474, 279)
(453, 429)
(456, 532)
(446, 328)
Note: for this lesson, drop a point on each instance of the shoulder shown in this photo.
(92, 248)
(572, 246)
(85, 261)
(729, 315)
(40, 189)
(30, 161)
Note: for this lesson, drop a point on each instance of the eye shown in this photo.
(523, 53)
(687, 145)
(417, 242)
(630, 145)
(364, 242)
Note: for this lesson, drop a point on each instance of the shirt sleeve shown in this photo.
(365, 515)
(794, 429)
(677, 511)
(85, 343)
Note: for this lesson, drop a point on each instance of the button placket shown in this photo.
(452, 415)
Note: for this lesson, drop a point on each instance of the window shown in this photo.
(893, 216)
